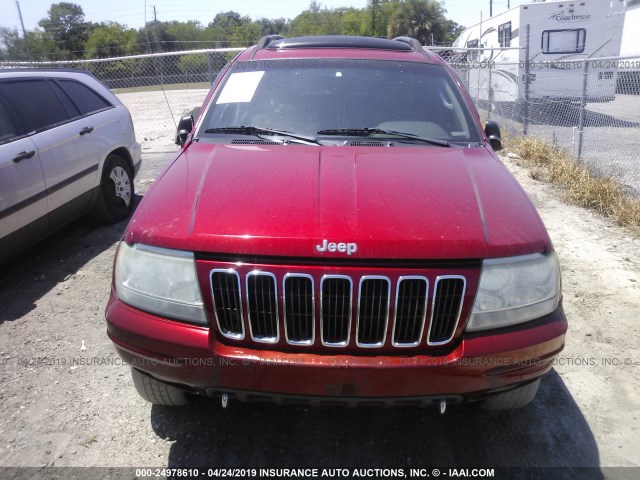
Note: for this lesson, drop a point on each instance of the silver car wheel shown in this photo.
(122, 185)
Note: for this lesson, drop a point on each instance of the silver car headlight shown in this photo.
(515, 290)
(160, 281)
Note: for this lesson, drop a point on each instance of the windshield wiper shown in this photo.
(365, 132)
(257, 131)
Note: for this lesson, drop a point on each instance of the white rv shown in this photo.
(629, 68)
(561, 35)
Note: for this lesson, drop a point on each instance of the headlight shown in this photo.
(515, 290)
(160, 281)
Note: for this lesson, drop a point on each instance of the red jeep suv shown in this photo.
(337, 230)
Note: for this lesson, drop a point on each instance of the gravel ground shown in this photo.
(67, 401)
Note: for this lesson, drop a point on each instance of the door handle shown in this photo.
(86, 130)
(24, 156)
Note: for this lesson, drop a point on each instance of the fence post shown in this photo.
(209, 68)
(490, 93)
(527, 83)
(583, 107)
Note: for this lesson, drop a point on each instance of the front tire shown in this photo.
(516, 398)
(157, 392)
(115, 198)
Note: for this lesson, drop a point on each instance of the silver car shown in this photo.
(67, 148)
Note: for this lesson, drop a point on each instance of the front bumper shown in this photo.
(191, 357)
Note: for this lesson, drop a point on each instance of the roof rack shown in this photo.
(415, 44)
(264, 42)
(340, 41)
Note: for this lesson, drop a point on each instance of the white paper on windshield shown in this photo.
(240, 87)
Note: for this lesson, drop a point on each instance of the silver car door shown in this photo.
(23, 193)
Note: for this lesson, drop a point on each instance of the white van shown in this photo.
(67, 147)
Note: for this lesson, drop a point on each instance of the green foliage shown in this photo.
(65, 34)
(421, 19)
(110, 39)
(66, 29)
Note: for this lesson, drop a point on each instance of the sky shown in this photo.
(132, 12)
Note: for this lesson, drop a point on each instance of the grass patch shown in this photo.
(88, 441)
(582, 186)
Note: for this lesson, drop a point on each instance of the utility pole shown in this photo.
(155, 24)
(24, 32)
(491, 8)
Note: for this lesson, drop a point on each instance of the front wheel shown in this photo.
(115, 198)
(157, 392)
(512, 399)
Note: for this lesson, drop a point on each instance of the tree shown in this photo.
(277, 26)
(317, 21)
(420, 19)
(232, 28)
(37, 46)
(66, 29)
(110, 39)
(157, 37)
(187, 34)
(355, 22)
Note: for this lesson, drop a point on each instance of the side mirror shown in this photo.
(184, 129)
(492, 131)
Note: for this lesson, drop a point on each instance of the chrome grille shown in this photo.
(336, 294)
(410, 311)
(373, 311)
(299, 309)
(447, 305)
(225, 291)
(262, 306)
(388, 311)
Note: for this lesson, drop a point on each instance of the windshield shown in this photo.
(305, 97)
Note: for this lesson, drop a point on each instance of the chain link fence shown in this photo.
(590, 107)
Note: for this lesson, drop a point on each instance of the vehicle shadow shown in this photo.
(551, 432)
(37, 270)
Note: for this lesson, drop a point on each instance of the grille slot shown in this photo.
(262, 306)
(367, 143)
(447, 306)
(225, 290)
(255, 142)
(373, 311)
(410, 311)
(336, 295)
(299, 309)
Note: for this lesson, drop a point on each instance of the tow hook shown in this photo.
(225, 400)
(443, 406)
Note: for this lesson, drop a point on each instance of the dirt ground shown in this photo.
(67, 401)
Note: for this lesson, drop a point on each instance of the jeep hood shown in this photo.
(410, 202)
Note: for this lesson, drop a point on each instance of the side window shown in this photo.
(66, 101)
(563, 41)
(8, 127)
(504, 34)
(86, 99)
(37, 101)
(475, 53)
